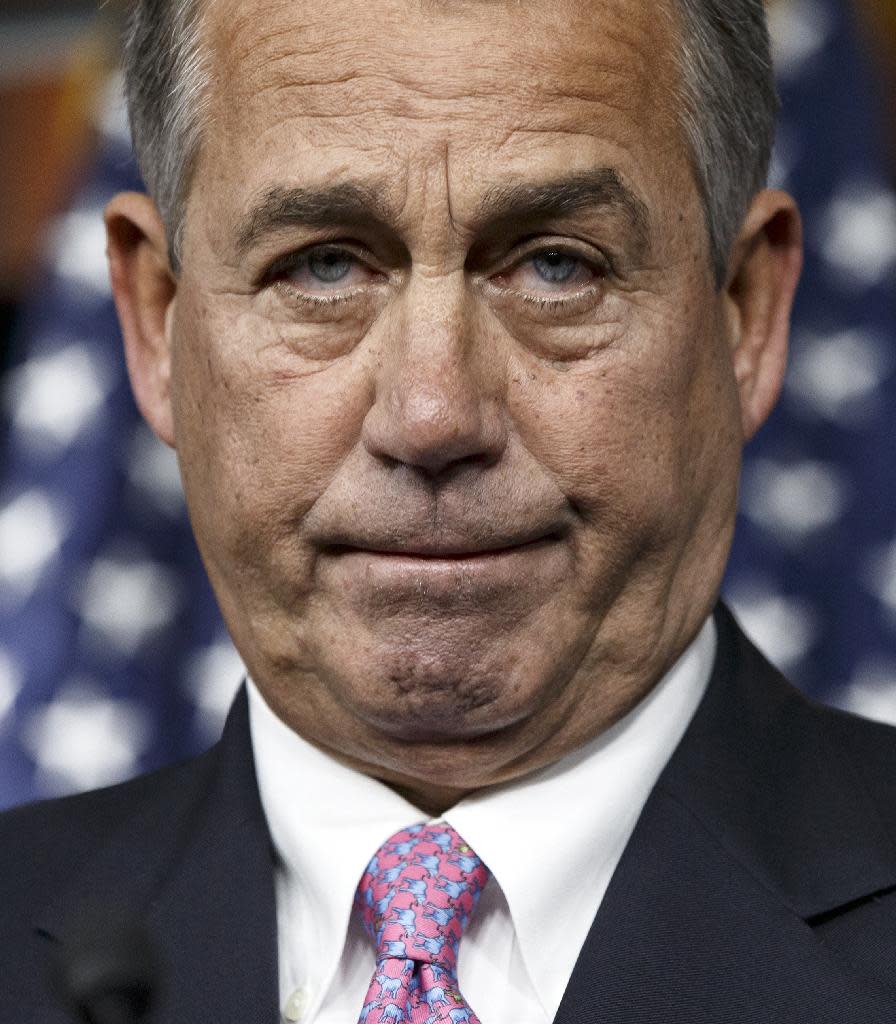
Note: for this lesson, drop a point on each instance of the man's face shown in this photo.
(452, 388)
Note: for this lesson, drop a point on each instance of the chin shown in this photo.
(456, 682)
(443, 708)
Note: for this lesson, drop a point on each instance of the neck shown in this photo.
(432, 800)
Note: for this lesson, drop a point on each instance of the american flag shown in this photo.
(113, 657)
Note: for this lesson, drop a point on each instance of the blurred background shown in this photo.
(113, 658)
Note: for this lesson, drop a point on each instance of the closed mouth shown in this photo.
(448, 553)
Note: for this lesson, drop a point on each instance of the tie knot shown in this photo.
(418, 894)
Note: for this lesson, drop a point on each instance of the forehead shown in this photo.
(472, 90)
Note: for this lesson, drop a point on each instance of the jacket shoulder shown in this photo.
(43, 844)
(870, 751)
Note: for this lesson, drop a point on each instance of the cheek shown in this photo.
(629, 435)
(259, 440)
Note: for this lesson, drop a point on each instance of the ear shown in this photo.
(144, 288)
(763, 273)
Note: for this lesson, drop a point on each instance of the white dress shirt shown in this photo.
(552, 841)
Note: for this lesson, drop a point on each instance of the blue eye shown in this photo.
(555, 267)
(329, 265)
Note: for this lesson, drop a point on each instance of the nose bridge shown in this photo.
(436, 337)
(437, 396)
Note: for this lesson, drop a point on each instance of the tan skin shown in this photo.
(463, 474)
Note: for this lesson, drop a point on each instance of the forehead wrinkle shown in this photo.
(317, 54)
(341, 95)
(251, 51)
(323, 72)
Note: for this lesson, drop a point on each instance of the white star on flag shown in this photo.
(84, 738)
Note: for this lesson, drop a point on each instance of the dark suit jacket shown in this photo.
(759, 885)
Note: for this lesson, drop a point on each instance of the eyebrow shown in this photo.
(361, 203)
(602, 187)
(280, 207)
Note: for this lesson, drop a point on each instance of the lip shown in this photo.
(449, 573)
(425, 553)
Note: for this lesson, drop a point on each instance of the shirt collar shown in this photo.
(573, 819)
(326, 821)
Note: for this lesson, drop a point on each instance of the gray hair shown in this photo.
(166, 87)
(728, 112)
(728, 106)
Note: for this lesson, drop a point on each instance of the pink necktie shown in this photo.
(417, 896)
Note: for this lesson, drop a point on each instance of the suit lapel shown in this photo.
(686, 934)
(204, 888)
(216, 912)
(754, 829)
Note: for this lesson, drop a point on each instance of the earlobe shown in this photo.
(764, 271)
(144, 288)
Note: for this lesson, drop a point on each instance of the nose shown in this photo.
(437, 402)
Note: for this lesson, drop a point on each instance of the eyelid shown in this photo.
(292, 259)
(532, 246)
